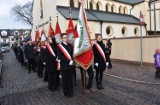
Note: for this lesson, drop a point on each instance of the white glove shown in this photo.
(71, 62)
(107, 63)
(44, 63)
(38, 50)
(96, 64)
(26, 60)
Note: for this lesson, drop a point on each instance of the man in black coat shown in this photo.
(66, 64)
(29, 53)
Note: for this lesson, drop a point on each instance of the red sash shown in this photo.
(50, 50)
(100, 51)
(65, 52)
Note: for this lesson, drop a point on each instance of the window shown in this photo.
(97, 6)
(109, 31)
(106, 7)
(120, 9)
(124, 31)
(136, 31)
(125, 10)
(91, 6)
(72, 3)
(113, 8)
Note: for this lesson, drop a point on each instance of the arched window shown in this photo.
(72, 3)
(97, 6)
(113, 8)
(91, 6)
(120, 9)
(125, 10)
(106, 7)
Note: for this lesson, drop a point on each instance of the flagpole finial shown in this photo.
(70, 12)
(50, 19)
(57, 16)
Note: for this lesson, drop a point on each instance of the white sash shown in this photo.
(100, 51)
(65, 52)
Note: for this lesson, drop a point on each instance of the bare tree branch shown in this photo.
(23, 13)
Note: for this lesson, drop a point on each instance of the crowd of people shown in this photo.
(54, 63)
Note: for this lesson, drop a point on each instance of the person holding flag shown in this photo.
(71, 33)
(51, 64)
(65, 54)
(99, 60)
(83, 52)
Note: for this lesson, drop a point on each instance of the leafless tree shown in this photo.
(23, 13)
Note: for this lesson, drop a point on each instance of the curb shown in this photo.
(131, 80)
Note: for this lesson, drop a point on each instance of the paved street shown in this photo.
(21, 88)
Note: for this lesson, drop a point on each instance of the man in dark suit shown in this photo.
(29, 53)
(65, 52)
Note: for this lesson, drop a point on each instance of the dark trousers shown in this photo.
(74, 75)
(90, 79)
(67, 82)
(157, 73)
(109, 62)
(39, 69)
(99, 76)
(31, 64)
(45, 74)
(52, 80)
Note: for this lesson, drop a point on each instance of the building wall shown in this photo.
(129, 48)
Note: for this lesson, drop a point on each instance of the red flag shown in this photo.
(58, 33)
(141, 19)
(70, 31)
(36, 37)
(50, 31)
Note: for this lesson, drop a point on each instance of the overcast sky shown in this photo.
(6, 20)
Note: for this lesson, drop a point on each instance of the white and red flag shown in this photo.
(83, 53)
(141, 19)
(58, 33)
(36, 37)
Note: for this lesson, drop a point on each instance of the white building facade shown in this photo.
(111, 18)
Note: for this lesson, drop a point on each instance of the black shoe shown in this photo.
(98, 87)
(109, 67)
(101, 87)
(29, 72)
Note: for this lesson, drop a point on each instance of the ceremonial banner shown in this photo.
(83, 53)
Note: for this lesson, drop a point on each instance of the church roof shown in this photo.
(132, 2)
(99, 16)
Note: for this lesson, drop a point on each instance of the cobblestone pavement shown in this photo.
(15, 78)
(117, 91)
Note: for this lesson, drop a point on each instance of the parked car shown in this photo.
(5, 49)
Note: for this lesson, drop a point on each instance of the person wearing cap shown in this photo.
(29, 53)
(65, 54)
